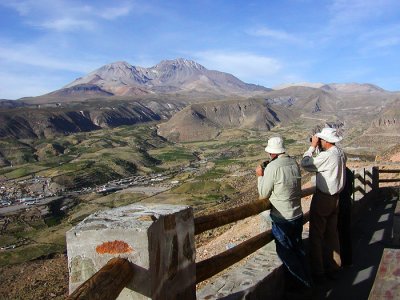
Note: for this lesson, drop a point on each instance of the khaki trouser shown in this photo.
(324, 241)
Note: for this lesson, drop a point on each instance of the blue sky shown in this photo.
(46, 44)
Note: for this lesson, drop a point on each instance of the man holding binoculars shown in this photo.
(279, 180)
(329, 166)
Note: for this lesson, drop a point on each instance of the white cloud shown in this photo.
(14, 85)
(115, 12)
(22, 7)
(346, 12)
(31, 56)
(388, 42)
(68, 24)
(248, 67)
(355, 72)
(62, 15)
(360, 25)
(386, 37)
(274, 34)
(39, 54)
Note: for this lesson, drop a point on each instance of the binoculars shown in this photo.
(264, 164)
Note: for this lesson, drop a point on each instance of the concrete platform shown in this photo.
(387, 282)
(259, 277)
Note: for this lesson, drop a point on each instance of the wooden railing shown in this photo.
(213, 265)
(393, 171)
(108, 282)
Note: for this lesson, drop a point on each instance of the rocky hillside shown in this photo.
(49, 122)
(304, 99)
(336, 87)
(388, 121)
(341, 100)
(390, 155)
(132, 94)
(206, 120)
(352, 88)
(5, 104)
(81, 91)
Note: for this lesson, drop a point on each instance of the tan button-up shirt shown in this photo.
(281, 183)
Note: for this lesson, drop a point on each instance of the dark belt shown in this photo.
(319, 191)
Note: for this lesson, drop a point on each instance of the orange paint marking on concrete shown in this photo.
(115, 247)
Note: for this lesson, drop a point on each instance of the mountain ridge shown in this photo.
(122, 79)
(204, 121)
(178, 76)
(120, 94)
(350, 87)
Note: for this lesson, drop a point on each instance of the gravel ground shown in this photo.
(39, 279)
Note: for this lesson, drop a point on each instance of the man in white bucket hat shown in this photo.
(280, 182)
(330, 168)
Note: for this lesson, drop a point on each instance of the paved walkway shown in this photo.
(371, 234)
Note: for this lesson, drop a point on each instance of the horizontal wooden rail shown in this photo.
(390, 180)
(204, 223)
(107, 283)
(215, 264)
(389, 171)
(308, 191)
(221, 218)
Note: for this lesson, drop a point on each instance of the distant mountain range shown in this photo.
(122, 94)
(169, 76)
(187, 79)
(337, 87)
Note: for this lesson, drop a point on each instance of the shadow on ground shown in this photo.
(370, 234)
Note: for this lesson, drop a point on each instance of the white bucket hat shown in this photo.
(329, 134)
(275, 146)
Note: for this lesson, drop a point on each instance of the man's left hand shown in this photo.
(259, 171)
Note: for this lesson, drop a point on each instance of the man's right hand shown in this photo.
(314, 141)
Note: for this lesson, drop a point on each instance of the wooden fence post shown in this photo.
(365, 182)
(375, 178)
(353, 187)
(369, 179)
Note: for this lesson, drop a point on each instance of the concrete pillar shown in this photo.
(157, 239)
